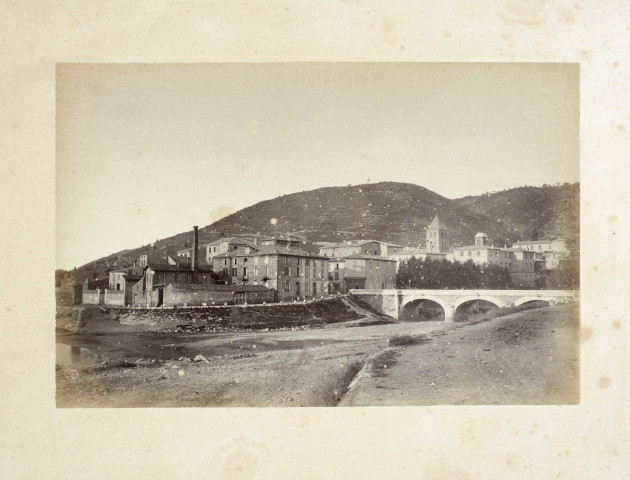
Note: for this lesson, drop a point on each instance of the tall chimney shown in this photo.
(195, 246)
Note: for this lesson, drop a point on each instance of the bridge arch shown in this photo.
(551, 301)
(409, 310)
(495, 301)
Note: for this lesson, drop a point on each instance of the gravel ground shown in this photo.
(313, 366)
(529, 357)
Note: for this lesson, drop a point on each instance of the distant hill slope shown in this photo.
(395, 212)
(532, 212)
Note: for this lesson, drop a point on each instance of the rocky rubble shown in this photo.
(235, 318)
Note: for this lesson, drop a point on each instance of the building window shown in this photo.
(236, 261)
(287, 271)
(234, 272)
(244, 271)
(287, 286)
(266, 271)
(297, 271)
(245, 260)
(469, 253)
(255, 271)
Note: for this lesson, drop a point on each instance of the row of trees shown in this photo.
(418, 273)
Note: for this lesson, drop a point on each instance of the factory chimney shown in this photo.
(195, 247)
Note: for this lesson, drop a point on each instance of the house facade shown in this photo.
(291, 272)
(359, 247)
(369, 272)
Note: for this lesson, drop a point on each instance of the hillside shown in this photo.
(395, 212)
(532, 212)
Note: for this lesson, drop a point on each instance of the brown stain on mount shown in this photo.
(604, 382)
(585, 334)
(521, 12)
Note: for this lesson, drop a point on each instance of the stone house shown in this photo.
(369, 272)
(291, 272)
(359, 247)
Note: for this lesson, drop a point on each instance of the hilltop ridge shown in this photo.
(398, 213)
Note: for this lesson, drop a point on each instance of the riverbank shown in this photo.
(528, 357)
(310, 365)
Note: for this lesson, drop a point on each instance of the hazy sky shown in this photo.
(147, 151)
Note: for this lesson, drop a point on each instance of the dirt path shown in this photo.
(530, 357)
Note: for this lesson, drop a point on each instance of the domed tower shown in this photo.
(437, 237)
(481, 239)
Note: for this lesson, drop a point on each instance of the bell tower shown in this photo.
(437, 237)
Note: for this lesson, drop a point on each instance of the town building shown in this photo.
(224, 245)
(291, 272)
(436, 245)
(120, 285)
(369, 272)
(555, 250)
(149, 290)
(482, 253)
(165, 254)
(437, 240)
(92, 291)
(336, 275)
(359, 247)
(525, 270)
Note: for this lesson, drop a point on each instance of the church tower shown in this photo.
(437, 237)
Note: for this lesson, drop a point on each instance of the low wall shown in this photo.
(387, 304)
(254, 317)
(177, 298)
(90, 297)
(114, 298)
(267, 296)
(174, 297)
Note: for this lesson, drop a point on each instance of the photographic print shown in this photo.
(317, 234)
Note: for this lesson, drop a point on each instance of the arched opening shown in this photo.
(475, 309)
(534, 304)
(422, 310)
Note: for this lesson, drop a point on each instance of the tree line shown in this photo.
(419, 273)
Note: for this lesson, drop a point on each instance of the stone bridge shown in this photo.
(397, 303)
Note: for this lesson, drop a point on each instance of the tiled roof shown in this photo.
(525, 242)
(480, 247)
(229, 240)
(216, 287)
(162, 267)
(370, 257)
(261, 250)
(356, 243)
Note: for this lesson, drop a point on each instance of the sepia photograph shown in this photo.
(317, 234)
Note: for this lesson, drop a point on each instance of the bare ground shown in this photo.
(313, 365)
(529, 357)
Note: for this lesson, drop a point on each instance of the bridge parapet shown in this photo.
(391, 302)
